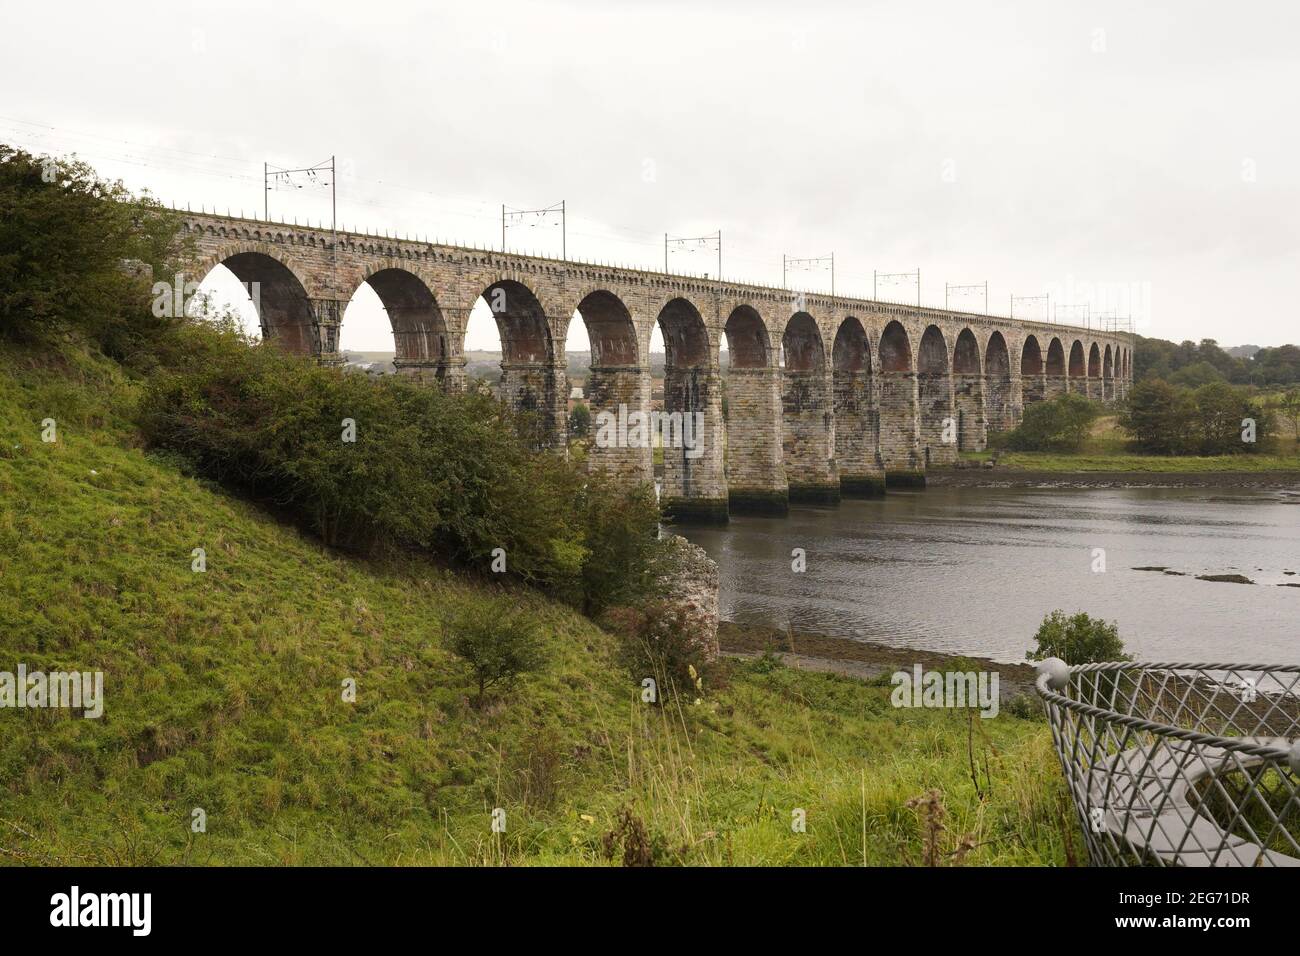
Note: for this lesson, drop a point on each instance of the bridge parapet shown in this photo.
(926, 383)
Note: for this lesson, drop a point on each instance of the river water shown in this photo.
(974, 570)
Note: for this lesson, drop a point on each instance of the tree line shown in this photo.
(1193, 364)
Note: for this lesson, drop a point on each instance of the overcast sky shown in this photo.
(1141, 161)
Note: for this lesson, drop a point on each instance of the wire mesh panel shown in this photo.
(1180, 764)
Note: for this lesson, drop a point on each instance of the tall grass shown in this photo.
(223, 693)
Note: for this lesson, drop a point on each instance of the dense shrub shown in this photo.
(1078, 639)
(426, 469)
(580, 420)
(496, 641)
(1059, 424)
(1166, 419)
(1289, 406)
(624, 553)
(78, 255)
(658, 641)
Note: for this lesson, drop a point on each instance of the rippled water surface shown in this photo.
(973, 571)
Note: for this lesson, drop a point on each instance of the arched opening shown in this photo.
(1032, 371)
(857, 415)
(747, 343)
(1107, 376)
(807, 413)
(756, 480)
(898, 409)
(934, 394)
(997, 383)
(1055, 372)
(268, 299)
(1078, 373)
(1094, 372)
(395, 312)
(968, 392)
(532, 381)
(692, 429)
(608, 402)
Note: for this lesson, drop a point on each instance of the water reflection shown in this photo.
(973, 571)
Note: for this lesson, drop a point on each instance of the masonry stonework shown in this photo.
(786, 427)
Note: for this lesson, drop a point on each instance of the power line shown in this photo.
(180, 162)
(538, 214)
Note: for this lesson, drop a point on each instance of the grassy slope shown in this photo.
(223, 691)
(1106, 450)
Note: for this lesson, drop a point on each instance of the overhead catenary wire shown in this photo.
(218, 166)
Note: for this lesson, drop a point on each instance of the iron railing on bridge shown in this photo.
(1180, 764)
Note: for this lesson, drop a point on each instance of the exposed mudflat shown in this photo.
(861, 659)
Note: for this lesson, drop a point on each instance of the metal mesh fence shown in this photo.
(1180, 764)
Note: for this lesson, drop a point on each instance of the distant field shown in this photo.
(1107, 450)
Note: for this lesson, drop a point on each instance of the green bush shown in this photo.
(580, 420)
(624, 553)
(496, 641)
(1078, 639)
(1289, 406)
(1167, 419)
(1159, 417)
(658, 641)
(449, 473)
(1196, 375)
(67, 242)
(1059, 424)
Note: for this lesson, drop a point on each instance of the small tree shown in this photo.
(497, 642)
(1078, 639)
(1060, 424)
(1160, 417)
(1220, 411)
(579, 420)
(1290, 406)
(660, 640)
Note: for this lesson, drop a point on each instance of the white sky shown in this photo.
(1141, 158)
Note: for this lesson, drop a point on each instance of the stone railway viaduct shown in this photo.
(826, 395)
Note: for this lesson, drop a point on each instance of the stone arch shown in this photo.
(1094, 372)
(610, 330)
(895, 349)
(421, 338)
(617, 386)
(693, 435)
(968, 392)
(935, 399)
(801, 345)
(1054, 372)
(521, 321)
(1108, 375)
(807, 413)
(532, 380)
(1033, 372)
(857, 414)
(898, 408)
(276, 284)
(997, 383)
(1078, 370)
(748, 344)
(755, 469)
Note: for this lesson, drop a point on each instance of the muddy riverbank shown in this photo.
(860, 659)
